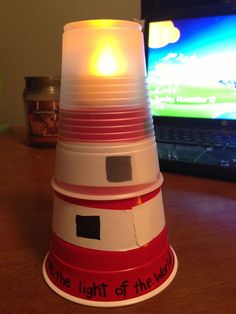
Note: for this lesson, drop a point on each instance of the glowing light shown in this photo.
(107, 64)
(107, 59)
(103, 23)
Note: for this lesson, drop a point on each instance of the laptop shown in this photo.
(191, 74)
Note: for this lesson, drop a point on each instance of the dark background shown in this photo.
(148, 6)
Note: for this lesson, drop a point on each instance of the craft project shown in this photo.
(109, 244)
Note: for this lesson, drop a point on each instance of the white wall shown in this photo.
(30, 41)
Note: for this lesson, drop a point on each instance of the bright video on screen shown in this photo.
(192, 67)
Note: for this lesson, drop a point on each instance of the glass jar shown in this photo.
(41, 102)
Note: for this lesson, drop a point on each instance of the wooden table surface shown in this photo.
(201, 219)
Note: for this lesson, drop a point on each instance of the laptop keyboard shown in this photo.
(202, 152)
(205, 138)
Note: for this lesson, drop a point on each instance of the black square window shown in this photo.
(88, 227)
(118, 168)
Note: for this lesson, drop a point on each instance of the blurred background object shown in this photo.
(41, 100)
(4, 127)
(30, 33)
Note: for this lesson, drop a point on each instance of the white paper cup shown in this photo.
(105, 193)
(110, 263)
(146, 212)
(85, 165)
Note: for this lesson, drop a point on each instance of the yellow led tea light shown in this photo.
(107, 60)
(103, 48)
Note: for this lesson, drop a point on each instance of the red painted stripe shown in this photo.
(123, 204)
(101, 129)
(99, 260)
(93, 191)
(110, 276)
(104, 113)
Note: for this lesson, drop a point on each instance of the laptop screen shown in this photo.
(191, 67)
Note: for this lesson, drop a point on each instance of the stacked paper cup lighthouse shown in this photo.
(109, 244)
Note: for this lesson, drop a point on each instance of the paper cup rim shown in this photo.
(151, 188)
(107, 304)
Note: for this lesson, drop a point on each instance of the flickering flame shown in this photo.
(107, 59)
